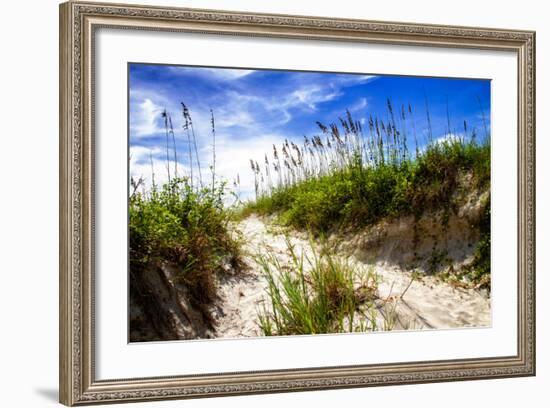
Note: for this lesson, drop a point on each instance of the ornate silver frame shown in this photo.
(78, 22)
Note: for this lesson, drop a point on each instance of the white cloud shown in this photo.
(252, 112)
(144, 162)
(449, 137)
(229, 74)
(226, 74)
(348, 80)
(235, 118)
(141, 153)
(309, 96)
(233, 158)
(359, 105)
(316, 92)
(144, 118)
(237, 110)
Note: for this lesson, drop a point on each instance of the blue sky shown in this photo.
(255, 109)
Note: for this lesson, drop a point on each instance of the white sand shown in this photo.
(427, 304)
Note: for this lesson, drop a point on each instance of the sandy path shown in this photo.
(243, 294)
(430, 303)
(427, 304)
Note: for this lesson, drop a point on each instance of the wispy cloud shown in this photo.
(238, 153)
(360, 104)
(310, 97)
(151, 163)
(229, 74)
(144, 118)
(450, 137)
(350, 80)
(224, 74)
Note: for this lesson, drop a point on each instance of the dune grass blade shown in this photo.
(314, 294)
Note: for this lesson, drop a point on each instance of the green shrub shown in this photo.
(186, 227)
(358, 196)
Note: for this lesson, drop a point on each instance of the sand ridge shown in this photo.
(426, 303)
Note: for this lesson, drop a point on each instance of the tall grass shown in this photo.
(317, 293)
(349, 177)
(346, 176)
(183, 222)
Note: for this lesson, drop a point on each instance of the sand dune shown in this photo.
(425, 303)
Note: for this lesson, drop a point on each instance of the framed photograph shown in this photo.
(256, 203)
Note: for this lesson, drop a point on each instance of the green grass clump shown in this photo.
(187, 227)
(345, 178)
(359, 195)
(319, 295)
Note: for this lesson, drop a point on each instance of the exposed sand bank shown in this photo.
(428, 303)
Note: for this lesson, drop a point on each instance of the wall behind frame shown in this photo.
(29, 194)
